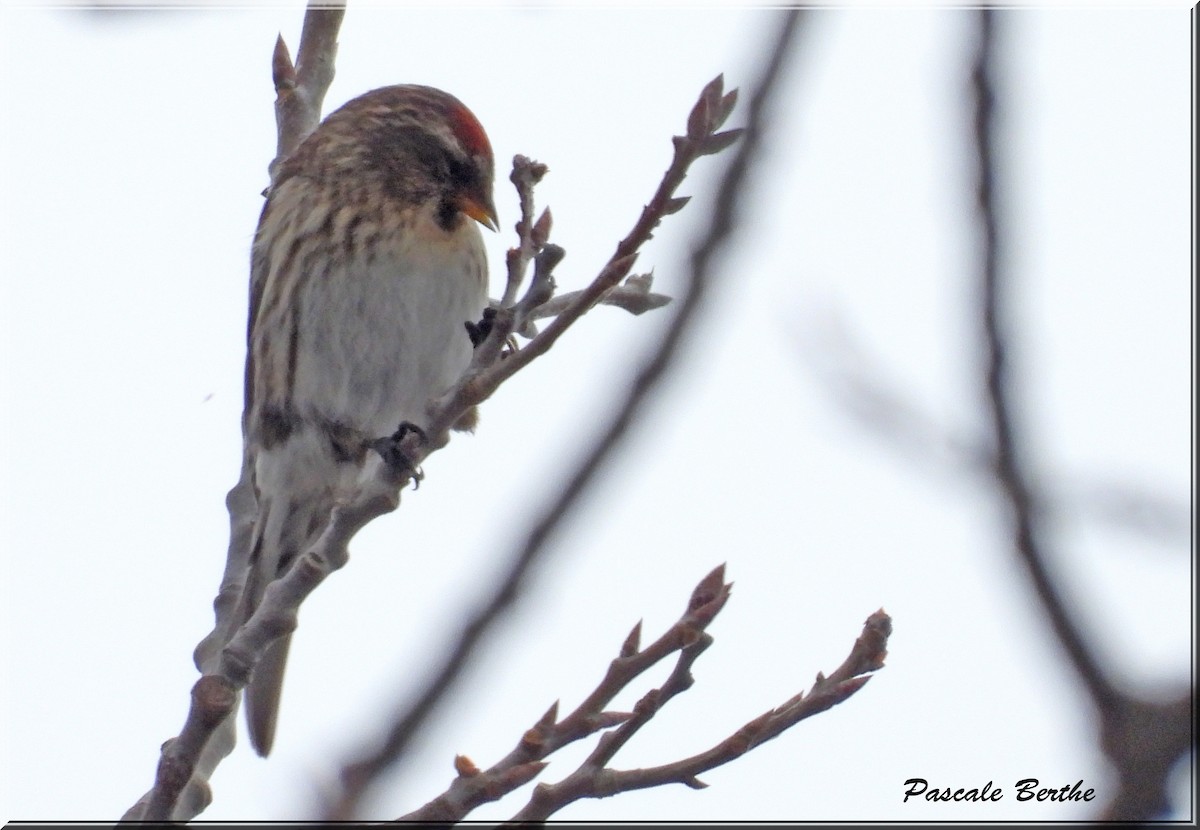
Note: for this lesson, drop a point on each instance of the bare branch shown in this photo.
(866, 391)
(214, 696)
(1142, 739)
(228, 657)
(531, 235)
(594, 779)
(235, 654)
(633, 295)
(1010, 473)
(300, 92)
(550, 734)
(479, 382)
(485, 375)
(483, 378)
(688, 639)
(300, 89)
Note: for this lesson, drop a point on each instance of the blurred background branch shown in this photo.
(1143, 739)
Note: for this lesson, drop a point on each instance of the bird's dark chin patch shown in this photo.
(449, 216)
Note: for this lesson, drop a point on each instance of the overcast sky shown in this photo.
(136, 147)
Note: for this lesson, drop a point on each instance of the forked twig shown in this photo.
(594, 779)
(687, 638)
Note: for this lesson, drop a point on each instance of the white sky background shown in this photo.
(137, 146)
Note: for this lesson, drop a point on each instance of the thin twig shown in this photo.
(633, 295)
(484, 376)
(593, 778)
(531, 235)
(474, 787)
(687, 638)
(300, 89)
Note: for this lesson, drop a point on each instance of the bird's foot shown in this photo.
(394, 456)
(478, 332)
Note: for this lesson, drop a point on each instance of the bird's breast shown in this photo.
(380, 330)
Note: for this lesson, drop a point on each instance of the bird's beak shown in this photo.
(481, 209)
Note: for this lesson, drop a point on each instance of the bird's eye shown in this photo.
(463, 173)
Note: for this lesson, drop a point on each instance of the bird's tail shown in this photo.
(296, 496)
(263, 693)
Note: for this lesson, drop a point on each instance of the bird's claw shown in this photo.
(478, 332)
(395, 457)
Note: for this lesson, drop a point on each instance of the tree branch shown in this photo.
(865, 390)
(709, 113)
(594, 779)
(1010, 473)
(687, 638)
(1143, 739)
(181, 789)
(300, 89)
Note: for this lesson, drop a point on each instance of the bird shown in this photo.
(366, 267)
